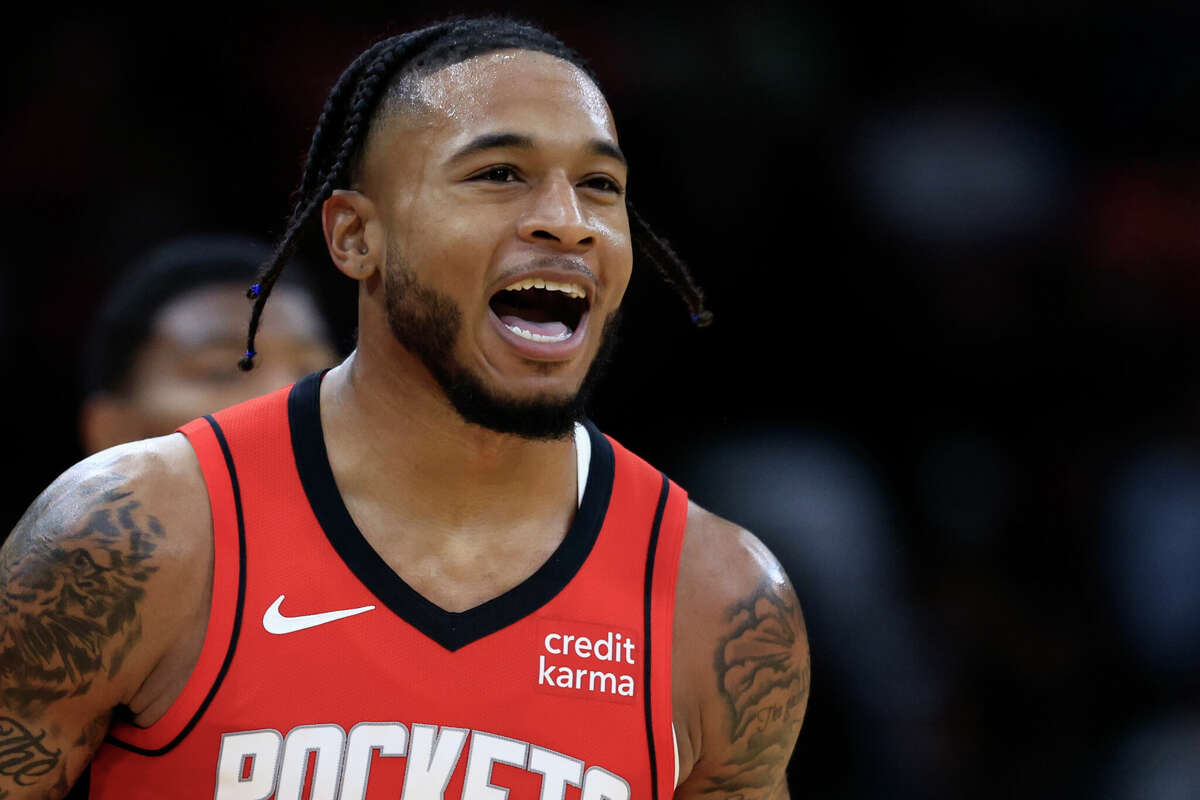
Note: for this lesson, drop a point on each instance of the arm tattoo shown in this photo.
(764, 686)
(23, 757)
(71, 580)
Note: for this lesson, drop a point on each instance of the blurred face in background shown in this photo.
(187, 367)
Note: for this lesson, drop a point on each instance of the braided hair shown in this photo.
(378, 75)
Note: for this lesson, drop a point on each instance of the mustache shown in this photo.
(560, 263)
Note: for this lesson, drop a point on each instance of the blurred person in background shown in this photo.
(146, 374)
(163, 347)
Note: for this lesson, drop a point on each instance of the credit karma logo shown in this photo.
(584, 659)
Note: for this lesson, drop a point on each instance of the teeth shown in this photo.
(569, 289)
(537, 337)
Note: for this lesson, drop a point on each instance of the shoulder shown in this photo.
(104, 575)
(727, 558)
(93, 560)
(125, 493)
(741, 662)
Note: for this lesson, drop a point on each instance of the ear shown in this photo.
(353, 233)
(106, 420)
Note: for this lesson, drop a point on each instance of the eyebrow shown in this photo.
(520, 141)
(603, 147)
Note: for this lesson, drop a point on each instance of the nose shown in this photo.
(555, 217)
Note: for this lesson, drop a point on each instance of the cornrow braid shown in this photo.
(352, 106)
(672, 268)
(364, 77)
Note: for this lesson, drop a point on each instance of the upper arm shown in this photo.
(76, 640)
(742, 664)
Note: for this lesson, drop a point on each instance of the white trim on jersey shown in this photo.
(675, 741)
(583, 460)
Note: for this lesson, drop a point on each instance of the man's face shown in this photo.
(188, 365)
(502, 199)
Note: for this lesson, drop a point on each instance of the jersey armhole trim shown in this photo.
(648, 626)
(662, 570)
(148, 735)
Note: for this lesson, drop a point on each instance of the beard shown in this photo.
(427, 323)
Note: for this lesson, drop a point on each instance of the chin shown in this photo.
(537, 417)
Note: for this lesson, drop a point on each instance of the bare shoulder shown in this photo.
(84, 581)
(77, 569)
(740, 664)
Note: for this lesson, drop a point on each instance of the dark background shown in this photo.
(952, 252)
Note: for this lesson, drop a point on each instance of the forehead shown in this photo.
(216, 313)
(517, 89)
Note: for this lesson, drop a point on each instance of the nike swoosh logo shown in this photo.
(275, 622)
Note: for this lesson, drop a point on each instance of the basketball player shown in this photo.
(422, 574)
(158, 351)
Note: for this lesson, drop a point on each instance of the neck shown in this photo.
(400, 452)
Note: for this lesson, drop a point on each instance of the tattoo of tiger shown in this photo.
(69, 591)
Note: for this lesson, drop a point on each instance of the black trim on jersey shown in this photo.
(652, 550)
(237, 617)
(451, 630)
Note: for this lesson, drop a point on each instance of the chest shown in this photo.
(324, 673)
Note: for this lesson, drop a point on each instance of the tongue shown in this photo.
(553, 328)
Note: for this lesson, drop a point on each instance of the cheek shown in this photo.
(177, 386)
(619, 290)
(447, 248)
(618, 244)
(165, 404)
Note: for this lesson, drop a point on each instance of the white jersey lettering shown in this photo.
(557, 771)
(486, 750)
(246, 765)
(389, 738)
(432, 757)
(328, 743)
(600, 784)
(266, 765)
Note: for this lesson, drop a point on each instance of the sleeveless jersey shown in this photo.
(323, 675)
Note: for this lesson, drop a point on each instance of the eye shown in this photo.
(500, 173)
(602, 183)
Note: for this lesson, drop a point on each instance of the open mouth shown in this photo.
(541, 310)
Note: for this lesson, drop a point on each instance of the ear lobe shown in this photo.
(352, 233)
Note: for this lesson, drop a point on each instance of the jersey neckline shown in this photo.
(451, 629)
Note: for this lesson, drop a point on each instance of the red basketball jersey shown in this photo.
(323, 675)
